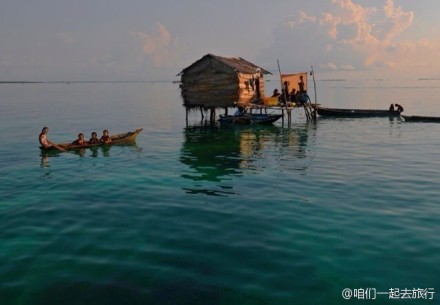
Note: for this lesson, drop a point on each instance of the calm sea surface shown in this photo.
(199, 214)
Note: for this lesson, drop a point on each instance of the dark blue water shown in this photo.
(207, 214)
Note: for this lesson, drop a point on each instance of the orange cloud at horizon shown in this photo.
(362, 38)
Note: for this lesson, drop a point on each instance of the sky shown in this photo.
(145, 40)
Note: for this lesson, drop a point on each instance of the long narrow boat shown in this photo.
(250, 119)
(421, 119)
(117, 139)
(355, 113)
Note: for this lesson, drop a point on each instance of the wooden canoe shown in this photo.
(249, 119)
(117, 139)
(421, 119)
(355, 113)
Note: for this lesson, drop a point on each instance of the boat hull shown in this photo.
(117, 139)
(421, 119)
(250, 119)
(356, 113)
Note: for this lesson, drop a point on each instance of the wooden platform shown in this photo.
(285, 110)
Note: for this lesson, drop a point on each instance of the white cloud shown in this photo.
(161, 48)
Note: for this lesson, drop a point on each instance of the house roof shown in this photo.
(237, 63)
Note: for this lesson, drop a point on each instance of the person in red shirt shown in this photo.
(80, 141)
(105, 137)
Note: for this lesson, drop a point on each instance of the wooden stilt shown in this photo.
(306, 110)
(212, 115)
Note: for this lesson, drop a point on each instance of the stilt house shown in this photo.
(220, 82)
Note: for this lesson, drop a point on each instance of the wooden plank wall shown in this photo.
(211, 84)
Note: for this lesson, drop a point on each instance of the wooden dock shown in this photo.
(286, 111)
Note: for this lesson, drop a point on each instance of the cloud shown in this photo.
(349, 36)
(399, 20)
(161, 48)
(374, 31)
(302, 17)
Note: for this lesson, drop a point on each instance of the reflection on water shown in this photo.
(211, 151)
(216, 153)
(93, 152)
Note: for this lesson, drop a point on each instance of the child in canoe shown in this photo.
(105, 137)
(80, 141)
(94, 139)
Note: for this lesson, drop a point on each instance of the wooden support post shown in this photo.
(212, 115)
(282, 115)
(306, 110)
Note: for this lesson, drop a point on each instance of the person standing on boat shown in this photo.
(105, 137)
(43, 138)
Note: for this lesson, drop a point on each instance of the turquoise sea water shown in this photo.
(206, 214)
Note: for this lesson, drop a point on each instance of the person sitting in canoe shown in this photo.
(391, 107)
(105, 137)
(43, 138)
(94, 139)
(80, 141)
(45, 143)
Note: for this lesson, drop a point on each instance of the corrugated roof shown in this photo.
(237, 63)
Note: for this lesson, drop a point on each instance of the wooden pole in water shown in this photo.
(316, 96)
(284, 93)
(212, 115)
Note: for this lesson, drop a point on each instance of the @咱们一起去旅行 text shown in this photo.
(392, 293)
